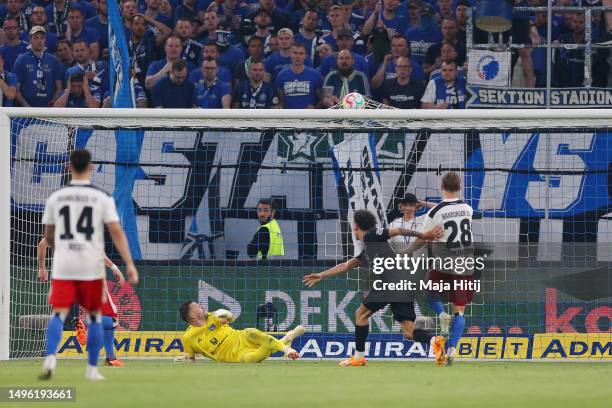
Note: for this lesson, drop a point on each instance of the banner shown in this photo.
(190, 193)
(572, 346)
(316, 345)
(363, 187)
(483, 97)
(491, 68)
(310, 345)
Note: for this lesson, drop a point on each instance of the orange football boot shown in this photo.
(113, 363)
(81, 332)
(353, 362)
(439, 352)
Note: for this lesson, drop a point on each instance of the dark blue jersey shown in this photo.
(402, 96)
(249, 97)
(11, 52)
(89, 35)
(299, 90)
(275, 63)
(37, 77)
(102, 30)
(167, 94)
(230, 57)
(197, 77)
(209, 97)
(420, 41)
(11, 80)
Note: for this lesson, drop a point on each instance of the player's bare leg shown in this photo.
(267, 345)
(293, 334)
(54, 336)
(362, 327)
(407, 329)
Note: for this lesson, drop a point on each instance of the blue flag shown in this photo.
(121, 89)
(128, 142)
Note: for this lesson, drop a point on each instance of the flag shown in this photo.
(356, 166)
(121, 90)
(129, 142)
(490, 68)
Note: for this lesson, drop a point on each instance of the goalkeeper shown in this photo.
(209, 334)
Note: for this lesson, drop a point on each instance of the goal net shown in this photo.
(187, 184)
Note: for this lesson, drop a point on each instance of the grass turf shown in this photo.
(315, 384)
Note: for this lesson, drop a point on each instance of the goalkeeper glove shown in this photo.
(224, 314)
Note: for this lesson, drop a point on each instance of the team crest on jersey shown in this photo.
(212, 327)
(379, 230)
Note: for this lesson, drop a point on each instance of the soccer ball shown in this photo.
(353, 100)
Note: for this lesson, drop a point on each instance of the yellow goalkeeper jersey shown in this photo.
(214, 340)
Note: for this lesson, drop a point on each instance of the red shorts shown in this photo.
(89, 294)
(459, 297)
(108, 307)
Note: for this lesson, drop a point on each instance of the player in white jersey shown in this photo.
(74, 219)
(455, 217)
(109, 308)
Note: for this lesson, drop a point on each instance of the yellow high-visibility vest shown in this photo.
(277, 246)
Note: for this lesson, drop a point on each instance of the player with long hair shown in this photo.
(376, 245)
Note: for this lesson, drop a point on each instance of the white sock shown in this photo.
(359, 355)
(451, 351)
(50, 362)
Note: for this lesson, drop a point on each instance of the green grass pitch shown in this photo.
(381, 384)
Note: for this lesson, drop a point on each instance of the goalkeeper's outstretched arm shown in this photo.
(225, 316)
(311, 279)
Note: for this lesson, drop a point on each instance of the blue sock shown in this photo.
(456, 329)
(94, 340)
(54, 334)
(109, 336)
(435, 304)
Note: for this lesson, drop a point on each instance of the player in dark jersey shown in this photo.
(376, 245)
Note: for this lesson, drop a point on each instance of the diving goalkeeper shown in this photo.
(209, 334)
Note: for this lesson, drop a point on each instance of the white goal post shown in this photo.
(269, 118)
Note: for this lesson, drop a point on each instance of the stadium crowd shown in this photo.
(273, 53)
